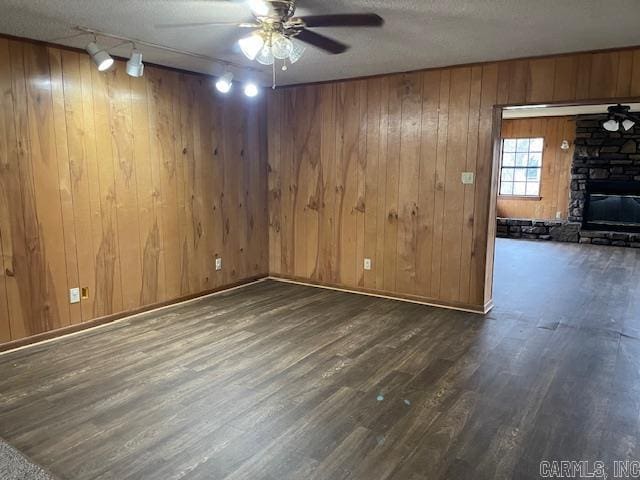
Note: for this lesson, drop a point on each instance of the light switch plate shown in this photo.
(367, 264)
(218, 264)
(467, 178)
(74, 295)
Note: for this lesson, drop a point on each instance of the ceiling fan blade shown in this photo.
(208, 24)
(320, 41)
(345, 20)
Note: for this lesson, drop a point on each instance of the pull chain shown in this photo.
(273, 65)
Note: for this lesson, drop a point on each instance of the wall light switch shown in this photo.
(467, 178)
(367, 264)
(74, 295)
(218, 264)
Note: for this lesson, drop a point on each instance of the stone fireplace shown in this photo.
(605, 183)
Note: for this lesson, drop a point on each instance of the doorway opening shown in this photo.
(567, 190)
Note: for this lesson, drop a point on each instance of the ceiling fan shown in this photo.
(277, 31)
(620, 115)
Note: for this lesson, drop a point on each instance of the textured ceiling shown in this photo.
(417, 34)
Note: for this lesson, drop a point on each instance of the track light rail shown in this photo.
(157, 46)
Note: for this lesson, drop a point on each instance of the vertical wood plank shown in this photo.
(325, 265)
(383, 162)
(583, 76)
(635, 74)
(10, 196)
(361, 166)
(394, 133)
(625, 68)
(440, 179)
(541, 80)
(108, 276)
(564, 84)
(518, 81)
(96, 278)
(79, 177)
(372, 174)
(54, 305)
(147, 212)
(408, 178)
(347, 176)
(128, 227)
(274, 179)
(454, 190)
(604, 75)
(426, 190)
(468, 215)
(64, 178)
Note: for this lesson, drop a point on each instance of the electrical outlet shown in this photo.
(367, 264)
(467, 178)
(74, 295)
(558, 214)
(218, 263)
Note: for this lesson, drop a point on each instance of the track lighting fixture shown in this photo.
(135, 67)
(224, 83)
(100, 56)
(251, 90)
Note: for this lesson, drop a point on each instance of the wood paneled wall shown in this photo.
(371, 169)
(130, 187)
(556, 167)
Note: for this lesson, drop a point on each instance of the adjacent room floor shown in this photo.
(281, 381)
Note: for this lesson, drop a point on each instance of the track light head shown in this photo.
(135, 67)
(100, 56)
(224, 83)
(251, 89)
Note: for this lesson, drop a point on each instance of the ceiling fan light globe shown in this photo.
(611, 125)
(251, 45)
(628, 124)
(265, 57)
(297, 51)
(282, 48)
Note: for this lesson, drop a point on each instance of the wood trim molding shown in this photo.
(477, 309)
(97, 322)
(529, 198)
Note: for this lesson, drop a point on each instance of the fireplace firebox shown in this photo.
(612, 206)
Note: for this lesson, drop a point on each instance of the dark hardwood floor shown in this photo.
(280, 381)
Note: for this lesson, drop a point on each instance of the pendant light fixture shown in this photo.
(620, 116)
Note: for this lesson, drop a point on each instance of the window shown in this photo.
(521, 166)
